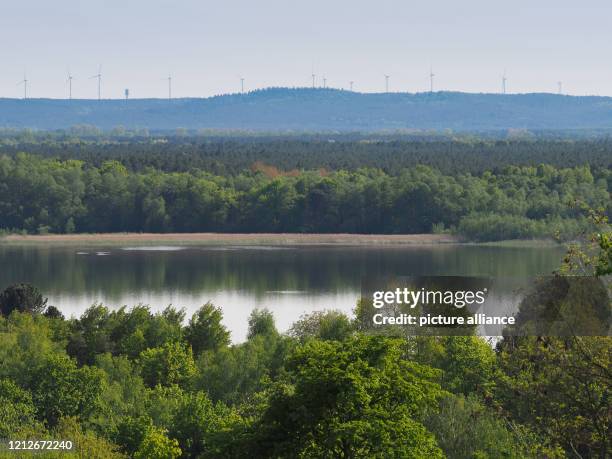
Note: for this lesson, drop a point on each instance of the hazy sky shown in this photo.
(208, 45)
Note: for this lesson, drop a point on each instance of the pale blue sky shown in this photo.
(208, 45)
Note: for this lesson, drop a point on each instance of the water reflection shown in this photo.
(288, 280)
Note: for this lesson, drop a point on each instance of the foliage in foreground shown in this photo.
(311, 395)
(132, 383)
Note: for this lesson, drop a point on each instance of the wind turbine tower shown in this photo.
(431, 79)
(69, 81)
(25, 86)
(99, 77)
(313, 80)
(324, 82)
(351, 85)
(560, 87)
(241, 85)
(386, 83)
(504, 79)
(169, 87)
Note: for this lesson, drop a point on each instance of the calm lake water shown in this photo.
(289, 281)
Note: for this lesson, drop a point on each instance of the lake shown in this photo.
(288, 280)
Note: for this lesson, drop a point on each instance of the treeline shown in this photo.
(133, 383)
(40, 195)
(220, 155)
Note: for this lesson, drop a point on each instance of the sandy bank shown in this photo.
(233, 239)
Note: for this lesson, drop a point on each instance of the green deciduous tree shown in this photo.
(60, 389)
(170, 364)
(156, 445)
(324, 325)
(466, 429)
(468, 363)
(205, 330)
(202, 428)
(17, 409)
(261, 323)
(357, 398)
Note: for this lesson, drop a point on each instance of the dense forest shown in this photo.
(40, 194)
(229, 155)
(133, 383)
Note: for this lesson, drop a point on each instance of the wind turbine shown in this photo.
(241, 85)
(312, 74)
(560, 86)
(324, 82)
(431, 79)
(99, 77)
(386, 83)
(25, 86)
(504, 79)
(351, 85)
(169, 79)
(69, 81)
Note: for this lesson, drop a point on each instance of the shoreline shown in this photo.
(232, 239)
(246, 239)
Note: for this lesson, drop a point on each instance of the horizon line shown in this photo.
(302, 88)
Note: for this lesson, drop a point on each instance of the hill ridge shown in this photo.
(308, 109)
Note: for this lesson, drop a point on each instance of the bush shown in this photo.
(496, 227)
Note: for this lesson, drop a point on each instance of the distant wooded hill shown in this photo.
(301, 109)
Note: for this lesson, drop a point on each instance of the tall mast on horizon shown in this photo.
(99, 77)
(431, 79)
(69, 81)
(24, 82)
